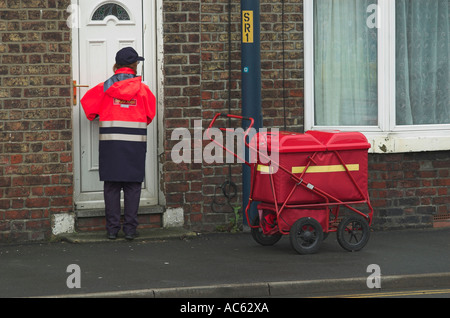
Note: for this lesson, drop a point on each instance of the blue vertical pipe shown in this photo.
(251, 83)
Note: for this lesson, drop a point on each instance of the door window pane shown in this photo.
(110, 9)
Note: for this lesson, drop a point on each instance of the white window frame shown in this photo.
(387, 137)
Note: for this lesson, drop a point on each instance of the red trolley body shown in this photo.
(323, 159)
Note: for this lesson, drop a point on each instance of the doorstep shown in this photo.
(158, 234)
(88, 213)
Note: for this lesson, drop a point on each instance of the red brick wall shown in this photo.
(35, 117)
(409, 190)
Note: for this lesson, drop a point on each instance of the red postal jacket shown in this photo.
(125, 106)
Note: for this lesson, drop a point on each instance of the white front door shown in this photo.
(103, 28)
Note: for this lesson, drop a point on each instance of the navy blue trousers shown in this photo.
(132, 195)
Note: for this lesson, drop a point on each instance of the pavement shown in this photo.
(176, 263)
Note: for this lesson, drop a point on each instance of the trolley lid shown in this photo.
(340, 140)
(286, 142)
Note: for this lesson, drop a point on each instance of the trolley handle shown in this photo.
(230, 116)
(237, 117)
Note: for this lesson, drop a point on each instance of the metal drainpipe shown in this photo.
(251, 83)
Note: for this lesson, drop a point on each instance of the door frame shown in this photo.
(153, 50)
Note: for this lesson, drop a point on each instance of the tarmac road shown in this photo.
(222, 265)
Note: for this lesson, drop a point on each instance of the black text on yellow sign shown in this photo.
(247, 26)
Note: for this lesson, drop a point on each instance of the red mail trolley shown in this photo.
(303, 185)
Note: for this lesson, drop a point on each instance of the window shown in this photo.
(380, 67)
(110, 9)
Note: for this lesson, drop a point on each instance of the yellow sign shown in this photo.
(247, 26)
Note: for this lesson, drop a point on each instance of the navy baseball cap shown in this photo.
(127, 56)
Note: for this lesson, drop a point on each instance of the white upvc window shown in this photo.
(379, 67)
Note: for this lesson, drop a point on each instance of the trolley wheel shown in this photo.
(353, 233)
(261, 238)
(306, 235)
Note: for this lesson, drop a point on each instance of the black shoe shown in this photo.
(131, 236)
(111, 236)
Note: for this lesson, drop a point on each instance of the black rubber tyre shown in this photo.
(353, 233)
(306, 235)
(261, 238)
